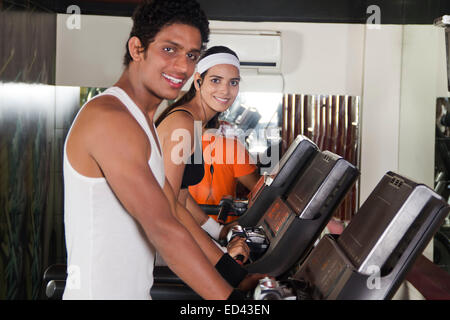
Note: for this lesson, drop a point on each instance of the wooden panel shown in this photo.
(332, 123)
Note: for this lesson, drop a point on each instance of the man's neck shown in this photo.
(147, 102)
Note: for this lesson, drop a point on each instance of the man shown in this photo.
(119, 208)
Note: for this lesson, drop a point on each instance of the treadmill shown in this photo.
(293, 223)
(371, 258)
(287, 231)
(269, 187)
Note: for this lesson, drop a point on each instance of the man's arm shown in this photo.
(123, 155)
(209, 248)
(204, 241)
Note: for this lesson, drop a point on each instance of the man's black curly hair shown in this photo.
(152, 15)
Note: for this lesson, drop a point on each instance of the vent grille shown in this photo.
(327, 158)
(396, 182)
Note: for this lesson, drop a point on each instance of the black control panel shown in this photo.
(280, 180)
(370, 259)
(293, 223)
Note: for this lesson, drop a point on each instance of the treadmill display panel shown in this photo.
(276, 216)
(255, 191)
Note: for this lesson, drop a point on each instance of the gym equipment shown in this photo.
(269, 187)
(370, 259)
(292, 225)
(288, 229)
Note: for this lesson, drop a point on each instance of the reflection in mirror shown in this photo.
(255, 118)
(269, 123)
(34, 120)
(332, 122)
(441, 244)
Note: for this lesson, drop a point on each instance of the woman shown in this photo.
(227, 164)
(214, 89)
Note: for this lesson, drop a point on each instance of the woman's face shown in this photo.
(220, 87)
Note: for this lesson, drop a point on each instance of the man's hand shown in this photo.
(236, 247)
(251, 281)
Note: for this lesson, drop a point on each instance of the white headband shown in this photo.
(215, 59)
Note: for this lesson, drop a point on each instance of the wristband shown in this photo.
(212, 227)
(230, 270)
(236, 295)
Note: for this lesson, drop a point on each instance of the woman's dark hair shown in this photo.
(189, 95)
(152, 15)
(213, 123)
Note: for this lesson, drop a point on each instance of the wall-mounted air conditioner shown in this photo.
(260, 55)
(260, 50)
(97, 50)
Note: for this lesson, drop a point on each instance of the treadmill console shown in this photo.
(370, 259)
(257, 188)
(259, 238)
(279, 181)
(294, 222)
(276, 217)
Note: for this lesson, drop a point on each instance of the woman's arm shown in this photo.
(176, 134)
(199, 215)
(250, 180)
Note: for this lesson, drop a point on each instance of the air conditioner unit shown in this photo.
(260, 56)
(260, 50)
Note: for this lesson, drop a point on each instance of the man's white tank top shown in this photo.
(108, 254)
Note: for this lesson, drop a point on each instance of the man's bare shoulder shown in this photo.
(106, 119)
(108, 112)
(104, 106)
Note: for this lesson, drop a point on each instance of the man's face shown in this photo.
(170, 60)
